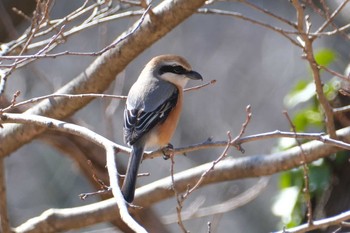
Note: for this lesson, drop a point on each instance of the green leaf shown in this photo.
(285, 180)
(325, 57)
(331, 88)
(307, 118)
(319, 176)
(301, 93)
(285, 203)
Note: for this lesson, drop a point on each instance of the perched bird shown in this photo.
(152, 110)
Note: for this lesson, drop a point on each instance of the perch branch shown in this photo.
(148, 195)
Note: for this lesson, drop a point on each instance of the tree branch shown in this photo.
(331, 18)
(306, 41)
(326, 222)
(148, 195)
(110, 147)
(282, 32)
(256, 137)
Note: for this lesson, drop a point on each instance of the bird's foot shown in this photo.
(167, 151)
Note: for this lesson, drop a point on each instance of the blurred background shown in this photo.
(252, 65)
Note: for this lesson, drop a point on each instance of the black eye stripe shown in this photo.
(177, 69)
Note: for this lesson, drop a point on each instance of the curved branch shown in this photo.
(148, 195)
(110, 147)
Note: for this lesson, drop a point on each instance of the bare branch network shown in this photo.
(153, 22)
(232, 169)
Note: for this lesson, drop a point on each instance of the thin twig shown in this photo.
(21, 13)
(131, 2)
(339, 75)
(53, 24)
(87, 95)
(280, 31)
(229, 143)
(84, 196)
(306, 42)
(103, 187)
(266, 12)
(248, 110)
(38, 99)
(200, 86)
(19, 59)
(223, 207)
(331, 17)
(334, 32)
(36, 21)
(306, 189)
(179, 198)
(341, 109)
(322, 137)
(221, 157)
(319, 224)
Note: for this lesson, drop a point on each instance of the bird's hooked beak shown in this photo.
(194, 75)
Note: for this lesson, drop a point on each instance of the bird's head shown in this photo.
(172, 68)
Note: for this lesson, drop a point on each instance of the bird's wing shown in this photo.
(143, 112)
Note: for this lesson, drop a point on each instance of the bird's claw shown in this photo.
(167, 151)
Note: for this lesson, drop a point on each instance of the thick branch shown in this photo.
(110, 147)
(148, 195)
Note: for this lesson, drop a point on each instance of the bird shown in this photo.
(152, 110)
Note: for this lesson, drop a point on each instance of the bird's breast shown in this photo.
(162, 133)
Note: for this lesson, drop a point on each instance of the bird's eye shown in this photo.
(179, 70)
(175, 69)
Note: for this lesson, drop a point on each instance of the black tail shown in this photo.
(129, 184)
